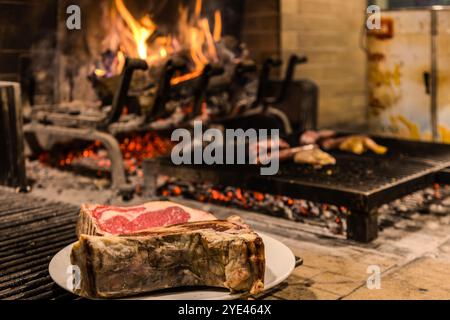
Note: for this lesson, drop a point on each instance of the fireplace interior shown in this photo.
(116, 96)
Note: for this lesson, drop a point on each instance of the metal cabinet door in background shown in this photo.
(443, 74)
(400, 75)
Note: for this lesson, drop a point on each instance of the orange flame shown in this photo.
(141, 30)
(217, 26)
(201, 42)
(194, 34)
(198, 8)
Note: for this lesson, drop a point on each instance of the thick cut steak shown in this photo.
(216, 253)
(102, 219)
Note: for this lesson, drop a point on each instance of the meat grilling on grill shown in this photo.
(314, 156)
(357, 144)
(314, 137)
(327, 139)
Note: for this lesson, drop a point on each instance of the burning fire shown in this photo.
(142, 30)
(141, 38)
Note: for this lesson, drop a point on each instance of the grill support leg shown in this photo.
(362, 226)
(151, 170)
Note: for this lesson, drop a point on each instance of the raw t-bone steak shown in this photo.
(102, 220)
(220, 253)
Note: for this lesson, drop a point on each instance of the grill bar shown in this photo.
(12, 255)
(32, 231)
(12, 208)
(22, 280)
(33, 284)
(35, 237)
(49, 288)
(20, 228)
(22, 273)
(15, 220)
(17, 229)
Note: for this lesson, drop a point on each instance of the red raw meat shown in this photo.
(102, 219)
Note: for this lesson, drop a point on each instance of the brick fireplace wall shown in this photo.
(261, 28)
(27, 30)
(329, 33)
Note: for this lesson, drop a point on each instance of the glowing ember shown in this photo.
(294, 209)
(135, 148)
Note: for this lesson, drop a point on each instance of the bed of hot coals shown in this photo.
(82, 156)
(433, 200)
(280, 206)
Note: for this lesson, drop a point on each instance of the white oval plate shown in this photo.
(280, 262)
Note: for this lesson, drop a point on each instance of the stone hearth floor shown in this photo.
(413, 257)
(413, 253)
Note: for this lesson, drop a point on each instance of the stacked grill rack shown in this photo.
(32, 230)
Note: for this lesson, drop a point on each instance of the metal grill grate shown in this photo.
(32, 230)
(357, 182)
